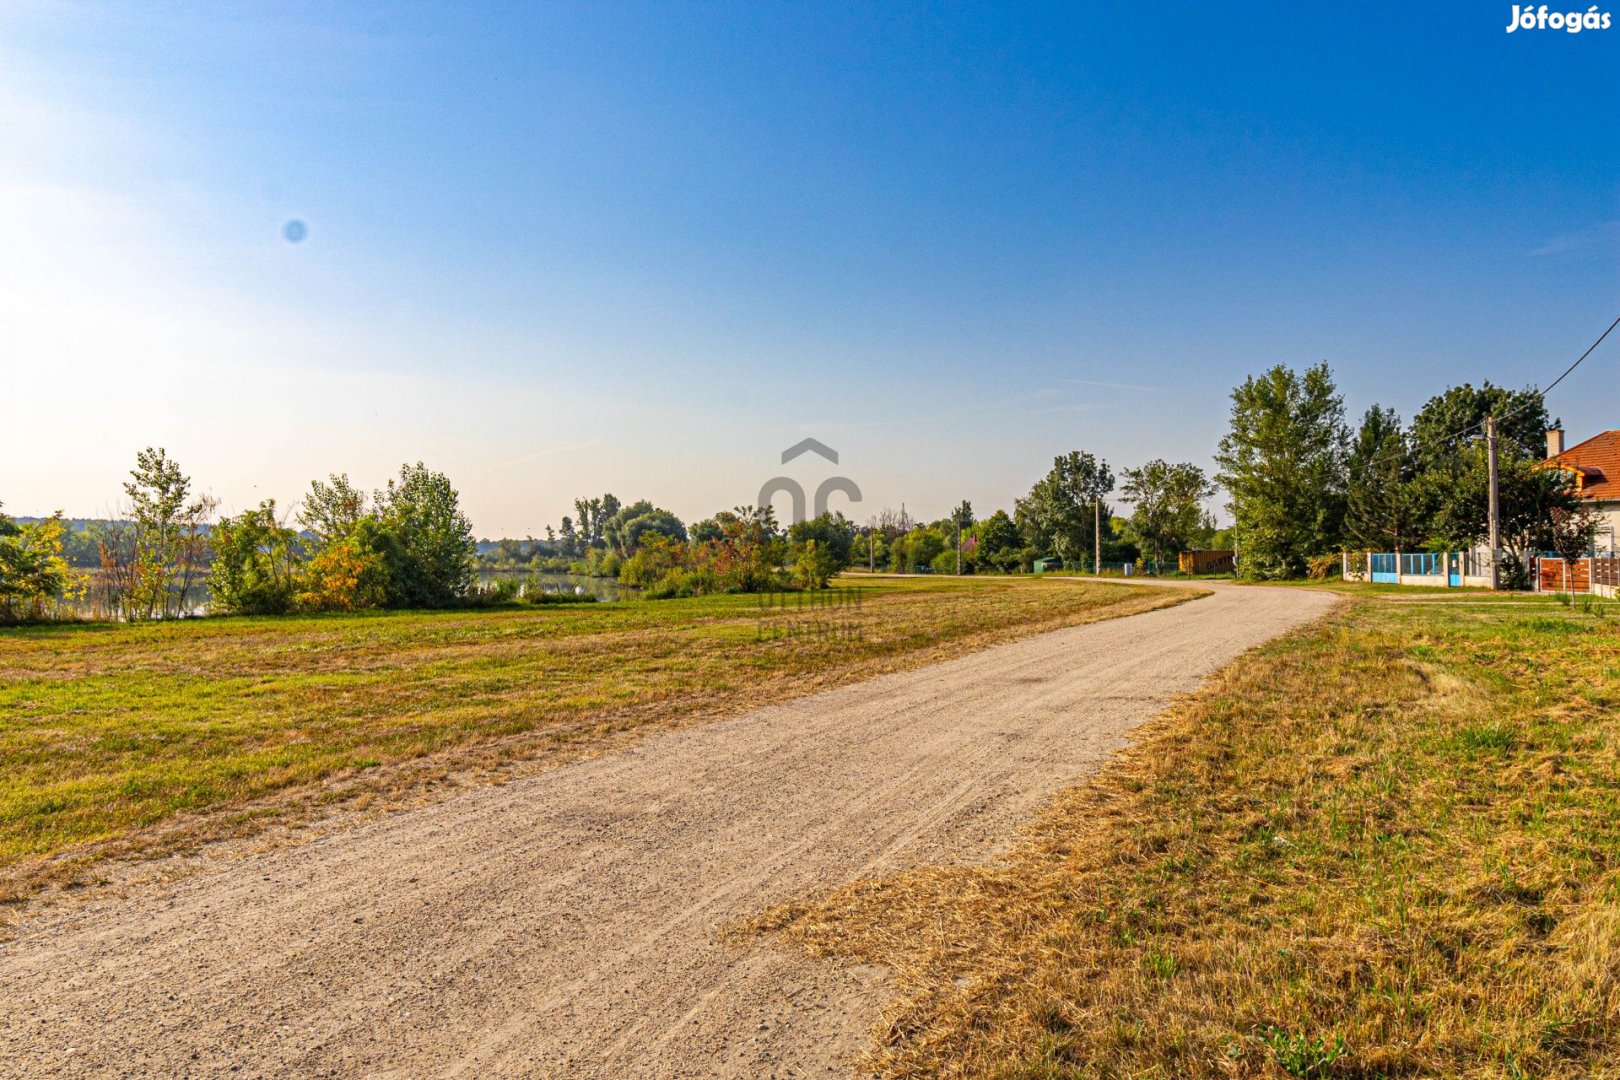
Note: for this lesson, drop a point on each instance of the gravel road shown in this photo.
(569, 924)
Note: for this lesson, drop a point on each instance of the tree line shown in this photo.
(1303, 486)
(745, 549)
(407, 545)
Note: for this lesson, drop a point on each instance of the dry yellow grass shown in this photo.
(1388, 845)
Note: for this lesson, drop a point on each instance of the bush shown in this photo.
(502, 590)
(917, 549)
(1514, 574)
(33, 574)
(540, 596)
(820, 548)
(598, 562)
(683, 583)
(1324, 567)
(255, 558)
(656, 558)
(346, 575)
(814, 564)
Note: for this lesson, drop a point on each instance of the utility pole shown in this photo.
(1495, 509)
(1096, 557)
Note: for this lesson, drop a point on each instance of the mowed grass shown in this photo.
(113, 738)
(1384, 846)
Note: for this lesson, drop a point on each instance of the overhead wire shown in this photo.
(1535, 394)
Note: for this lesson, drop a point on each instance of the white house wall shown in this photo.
(1607, 540)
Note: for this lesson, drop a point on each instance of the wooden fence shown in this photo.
(1566, 575)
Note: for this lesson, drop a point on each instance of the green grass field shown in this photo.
(1385, 845)
(128, 738)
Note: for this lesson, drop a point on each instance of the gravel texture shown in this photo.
(571, 924)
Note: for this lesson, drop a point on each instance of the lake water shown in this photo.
(604, 589)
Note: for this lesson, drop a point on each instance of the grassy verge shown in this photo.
(1385, 588)
(1387, 845)
(120, 739)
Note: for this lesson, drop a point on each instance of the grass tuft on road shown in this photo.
(1385, 845)
(141, 738)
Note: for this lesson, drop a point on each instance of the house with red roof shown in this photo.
(1595, 465)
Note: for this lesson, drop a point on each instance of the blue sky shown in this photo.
(561, 249)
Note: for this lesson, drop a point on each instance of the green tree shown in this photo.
(916, 549)
(999, 542)
(33, 573)
(820, 547)
(623, 531)
(332, 508)
(593, 516)
(1456, 419)
(658, 559)
(255, 563)
(584, 509)
(748, 552)
(1168, 501)
(871, 546)
(1570, 531)
(1060, 513)
(658, 522)
(1452, 460)
(1283, 465)
(166, 524)
(1454, 508)
(431, 550)
(1382, 495)
(814, 565)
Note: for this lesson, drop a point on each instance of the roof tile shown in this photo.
(1596, 463)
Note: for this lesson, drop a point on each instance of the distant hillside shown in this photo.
(76, 524)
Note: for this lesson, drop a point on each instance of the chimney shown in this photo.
(1555, 442)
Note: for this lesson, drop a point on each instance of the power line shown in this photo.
(1569, 369)
(1389, 452)
(1542, 394)
(1533, 395)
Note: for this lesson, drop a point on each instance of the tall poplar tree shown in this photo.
(1382, 504)
(1283, 466)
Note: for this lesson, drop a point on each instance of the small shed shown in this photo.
(1206, 561)
(1051, 562)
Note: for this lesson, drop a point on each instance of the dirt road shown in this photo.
(566, 925)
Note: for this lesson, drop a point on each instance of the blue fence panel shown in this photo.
(1382, 567)
(1422, 564)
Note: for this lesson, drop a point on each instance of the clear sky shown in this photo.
(559, 249)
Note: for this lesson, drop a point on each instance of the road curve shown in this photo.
(566, 925)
